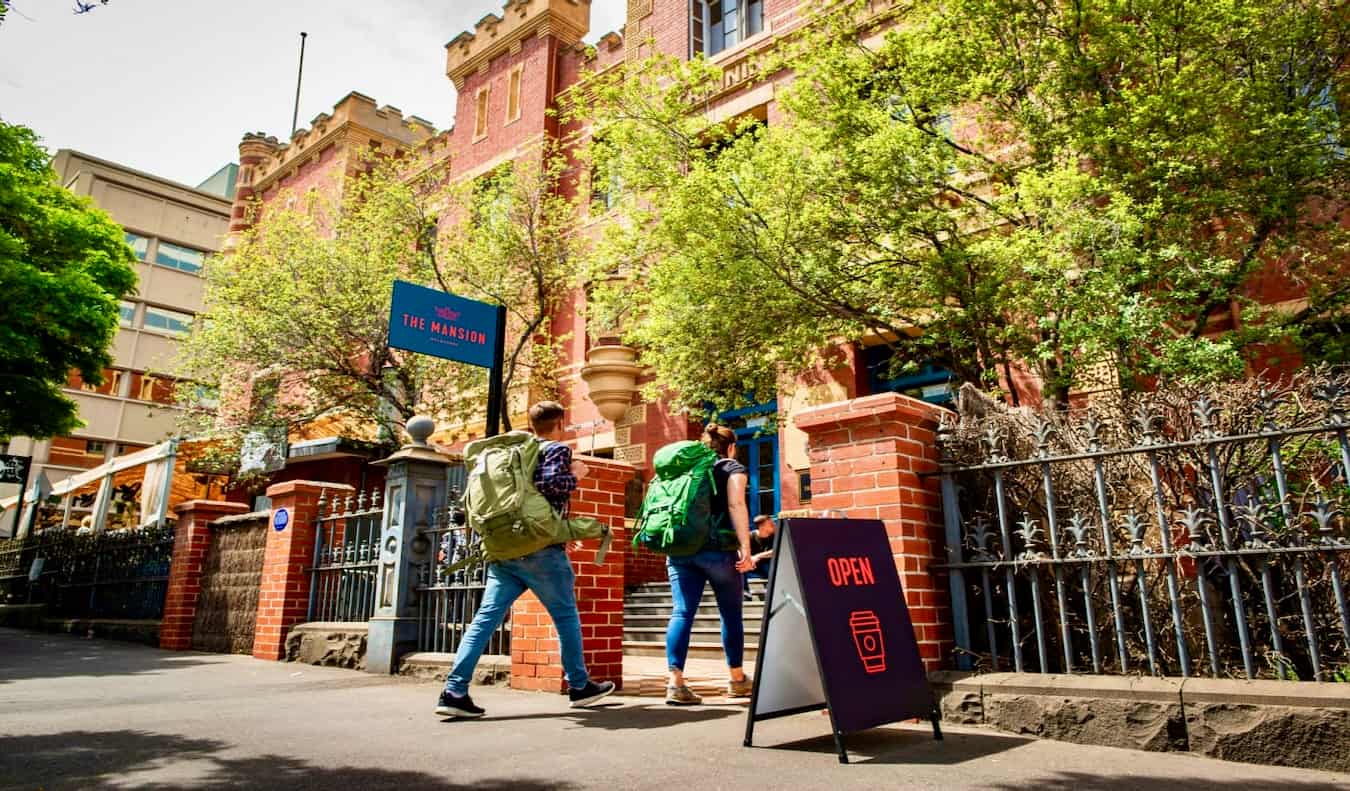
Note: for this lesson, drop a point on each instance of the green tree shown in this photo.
(294, 335)
(64, 264)
(987, 182)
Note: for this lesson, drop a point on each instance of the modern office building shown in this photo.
(172, 228)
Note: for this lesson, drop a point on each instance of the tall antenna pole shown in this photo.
(295, 116)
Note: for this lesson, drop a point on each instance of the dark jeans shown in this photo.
(688, 575)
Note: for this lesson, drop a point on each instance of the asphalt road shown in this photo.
(87, 714)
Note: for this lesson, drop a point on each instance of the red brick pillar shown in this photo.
(283, 598)
(866, 459)
(535, 661)
(191, 542)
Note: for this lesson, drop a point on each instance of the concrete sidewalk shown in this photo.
(85, 714)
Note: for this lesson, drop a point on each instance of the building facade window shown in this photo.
(178, 257)
(170, 321)
(716, 25)
(930, 382)
(95, 447)
(128, 313)
(148, 384)
(480, 114)
(139, 244)
(513, 94)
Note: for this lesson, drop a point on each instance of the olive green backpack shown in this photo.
(502, 505)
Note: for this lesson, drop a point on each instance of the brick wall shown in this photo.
(535, 661)
(283, 599)
(191, 542)
(867, 456)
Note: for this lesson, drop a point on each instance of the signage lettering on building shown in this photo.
(435, 323)
(14, 469)
(837, 634)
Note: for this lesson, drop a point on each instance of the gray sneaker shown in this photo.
(681, 696)
(740, 689)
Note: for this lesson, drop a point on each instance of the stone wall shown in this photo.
(328, 644)
(231, 573)
(1282, 723)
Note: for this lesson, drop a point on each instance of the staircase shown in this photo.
(646, 612)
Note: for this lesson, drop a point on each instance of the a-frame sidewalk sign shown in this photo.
(837, 634)
(440, 324)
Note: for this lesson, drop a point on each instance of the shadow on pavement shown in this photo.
(25, 655)
(895, 746)
(121, 759)
(1076, 781)
(620, 717)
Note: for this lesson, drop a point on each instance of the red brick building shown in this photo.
(509, 72)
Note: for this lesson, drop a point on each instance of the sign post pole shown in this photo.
(495, 374)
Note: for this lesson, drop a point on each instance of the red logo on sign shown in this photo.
(866, 628)
(449, 314)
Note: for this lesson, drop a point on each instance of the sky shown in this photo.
(170, 86)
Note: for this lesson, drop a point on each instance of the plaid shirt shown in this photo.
(553, 477)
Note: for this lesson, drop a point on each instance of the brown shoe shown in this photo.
(682, 696)
(740, 689)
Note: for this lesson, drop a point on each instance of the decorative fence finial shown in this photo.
(1333, 391)
(1207, 412)
(1028, 530)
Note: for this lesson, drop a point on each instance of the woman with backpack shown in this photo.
(721, 561)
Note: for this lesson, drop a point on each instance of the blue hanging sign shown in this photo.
(428, 321)
(280, 518)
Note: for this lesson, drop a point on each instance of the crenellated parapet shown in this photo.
(472, 51)
(357, 118)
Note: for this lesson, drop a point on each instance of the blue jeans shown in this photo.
(549, 574)
(687, 578)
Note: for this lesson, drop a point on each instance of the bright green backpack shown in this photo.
(676, 516)
(502, 505)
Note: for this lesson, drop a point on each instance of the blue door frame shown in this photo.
(758, 451)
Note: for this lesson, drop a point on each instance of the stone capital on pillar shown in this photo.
(191, 542)
(415, 494)
(283, 598)
(872, 458)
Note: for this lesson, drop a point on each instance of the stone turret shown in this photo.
(357, 124)
(470, 52)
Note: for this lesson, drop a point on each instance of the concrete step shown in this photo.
(655, 622)
(701, 634)
(707, 610)
(663, 588)
(700, 650)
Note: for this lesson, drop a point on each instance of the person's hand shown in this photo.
(579, 468)
(761, 556)
(744, 562)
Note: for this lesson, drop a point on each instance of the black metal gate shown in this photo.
(447, 601)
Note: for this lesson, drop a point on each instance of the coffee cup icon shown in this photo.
(866, 628)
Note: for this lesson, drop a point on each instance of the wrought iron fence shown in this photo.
(1168, 536)
(346, 554)
(116, 574)
(448, 600)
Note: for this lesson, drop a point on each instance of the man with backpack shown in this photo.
(524, 530)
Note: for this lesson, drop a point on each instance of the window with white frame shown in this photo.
(178, 257)
(716, 25)
(170, 321)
